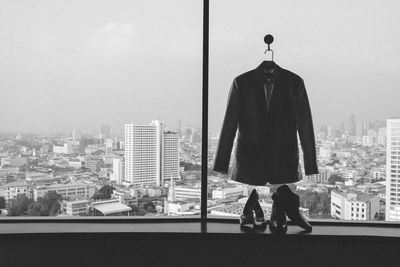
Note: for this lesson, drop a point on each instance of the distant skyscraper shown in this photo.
(76, 135)
(329, 131)
(364, 128)
(109, 146)
(151, 156)
(117, 175)
(342, 129)
(352, 125)
(170, 158)
(105, 131)
(382, 133)
(393, 170)
(188, 133)
(179, 128)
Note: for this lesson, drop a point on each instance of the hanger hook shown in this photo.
(272, 53)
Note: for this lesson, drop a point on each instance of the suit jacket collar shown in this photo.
(260, 74)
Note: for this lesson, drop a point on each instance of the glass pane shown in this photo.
(347, 55)
(101, 108)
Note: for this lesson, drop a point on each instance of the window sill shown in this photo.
(119, 241)
(187, 225)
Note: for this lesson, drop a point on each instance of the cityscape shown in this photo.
(151, 170)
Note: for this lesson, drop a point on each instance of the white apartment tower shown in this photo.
(149, 154)
(117, 175)
(393, 170)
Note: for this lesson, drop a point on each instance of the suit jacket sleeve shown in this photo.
(306, 131)
(228, 131)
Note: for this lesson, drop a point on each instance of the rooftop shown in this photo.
(62, 185)
(14, 184)
(111, 208)
(361, 197)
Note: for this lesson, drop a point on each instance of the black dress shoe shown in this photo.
(290, 204)
(277, 222)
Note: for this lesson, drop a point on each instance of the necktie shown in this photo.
(268, 87)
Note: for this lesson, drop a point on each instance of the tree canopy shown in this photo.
(335, 178)
(2, 202)
(49, 205)
(318, 203)
(104, 192)
(19, 205)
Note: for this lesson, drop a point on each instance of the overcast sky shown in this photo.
(79, 64)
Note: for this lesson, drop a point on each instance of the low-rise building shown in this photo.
(38, 179)
(63, 149)
(18, 161)
(4, 170)
(125, 197)
(75, 207)
(109, 207)
(70, 190)
(12, 190)
(181, 208)
(186, 192)
(354, 205)
(322, 176)
(74, 163)
(228, 192)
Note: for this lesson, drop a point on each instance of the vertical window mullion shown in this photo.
(204, 142)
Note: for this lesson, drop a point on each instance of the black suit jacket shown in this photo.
(267, 147)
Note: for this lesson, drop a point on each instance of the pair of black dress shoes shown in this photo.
(285, 203)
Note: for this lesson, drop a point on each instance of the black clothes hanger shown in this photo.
(269, 66)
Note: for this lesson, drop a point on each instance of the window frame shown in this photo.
(203, 219)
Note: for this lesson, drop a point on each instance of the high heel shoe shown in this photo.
(251, 205)
(259, 220)
(246, 219)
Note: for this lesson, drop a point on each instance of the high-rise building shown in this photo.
(342, 128)
(151, 155)
(179, 128)
(170, 157)
(382, 136)
(105, 131)
(352, 125)
(117, 175)
(109, 146)
(76, 135)
(188, 133)
(393, 170)
(142, 153)
(329, 132)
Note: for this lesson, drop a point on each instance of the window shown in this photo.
(114, 86)
(351, 144)
(119, 93)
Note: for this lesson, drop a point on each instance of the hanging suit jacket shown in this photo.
(266, 145)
